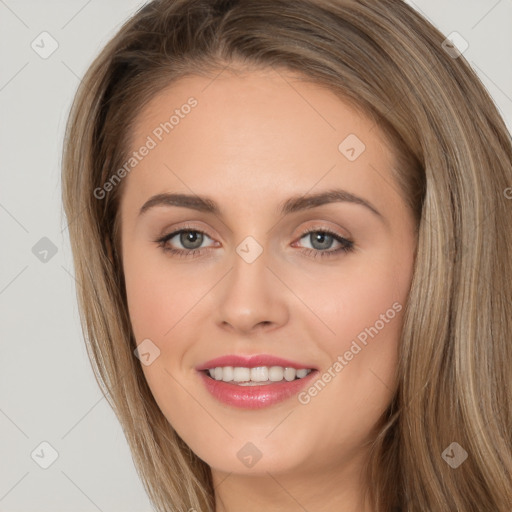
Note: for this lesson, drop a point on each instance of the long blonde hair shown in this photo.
(455, 156)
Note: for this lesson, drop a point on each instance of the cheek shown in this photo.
(354, 298)
(161, 302)
(159, 296)
(359, 376)
(364, 316)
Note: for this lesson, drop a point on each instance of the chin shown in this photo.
(256, 457)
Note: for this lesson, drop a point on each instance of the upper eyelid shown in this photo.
(172, 233)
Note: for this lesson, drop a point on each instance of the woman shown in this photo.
(249, 370)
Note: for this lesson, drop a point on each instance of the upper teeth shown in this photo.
(258, 374)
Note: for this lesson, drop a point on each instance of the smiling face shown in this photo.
(322, 284)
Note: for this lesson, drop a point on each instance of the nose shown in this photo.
(251, 297)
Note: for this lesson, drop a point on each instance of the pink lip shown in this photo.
(252, 362)
(254, 397)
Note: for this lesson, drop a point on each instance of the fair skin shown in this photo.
(253, 141)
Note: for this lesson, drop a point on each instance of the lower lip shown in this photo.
(255, 397)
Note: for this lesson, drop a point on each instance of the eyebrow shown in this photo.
(291, 205)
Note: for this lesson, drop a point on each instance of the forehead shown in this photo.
(261, 133)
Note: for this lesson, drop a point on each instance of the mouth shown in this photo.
(254, 382)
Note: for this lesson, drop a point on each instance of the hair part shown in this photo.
(454, 160)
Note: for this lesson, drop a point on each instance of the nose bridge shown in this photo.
(251, 294)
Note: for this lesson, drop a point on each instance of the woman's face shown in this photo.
(267, 264)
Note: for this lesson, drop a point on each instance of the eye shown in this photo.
(323, 239)
(190, 239)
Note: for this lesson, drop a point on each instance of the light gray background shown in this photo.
(47, 389)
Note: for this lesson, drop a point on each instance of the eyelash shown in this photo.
(347, 246)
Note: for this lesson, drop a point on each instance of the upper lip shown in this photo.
(252, 362)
